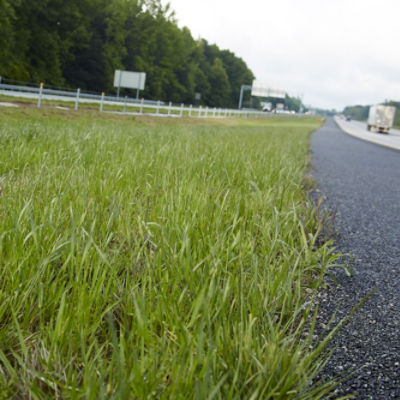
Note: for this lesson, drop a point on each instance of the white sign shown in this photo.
(262, 90)
(130, 80)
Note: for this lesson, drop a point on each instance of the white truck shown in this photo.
(381, 118)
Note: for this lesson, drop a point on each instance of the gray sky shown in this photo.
(332, 52)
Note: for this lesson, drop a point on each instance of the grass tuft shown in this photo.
(148, 260)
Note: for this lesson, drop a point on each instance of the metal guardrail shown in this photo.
(70, 93)
(143, 106)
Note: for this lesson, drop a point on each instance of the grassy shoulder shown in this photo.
(148, 258)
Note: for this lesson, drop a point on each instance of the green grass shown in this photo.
(157, 259)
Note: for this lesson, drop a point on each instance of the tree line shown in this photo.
(357, 112)
(80, 43)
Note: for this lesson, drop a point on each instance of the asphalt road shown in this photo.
(359, 130)
(361, 183)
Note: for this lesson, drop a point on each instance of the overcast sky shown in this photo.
(332, 52)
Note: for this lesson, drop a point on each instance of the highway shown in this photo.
(359, 130)
(360, 184)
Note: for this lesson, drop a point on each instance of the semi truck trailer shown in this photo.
(380, 118)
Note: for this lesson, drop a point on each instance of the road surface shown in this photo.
(359, 130)
(361, 182)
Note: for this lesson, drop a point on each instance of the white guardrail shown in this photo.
(136, 106)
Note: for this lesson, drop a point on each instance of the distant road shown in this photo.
(359, 130)
(361, 181)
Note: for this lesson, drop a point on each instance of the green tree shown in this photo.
(238, 74)
(357, 112)
(81, 42)
(101, 47)
(221, 89)
(292, 103)
(45, 33)
(8, 54)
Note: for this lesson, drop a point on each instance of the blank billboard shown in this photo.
(263, 90)
(129, 79)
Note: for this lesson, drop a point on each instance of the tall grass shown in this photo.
(146, 260)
